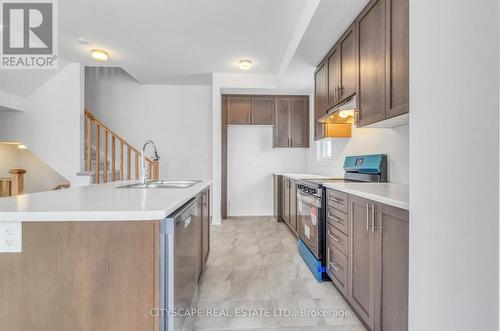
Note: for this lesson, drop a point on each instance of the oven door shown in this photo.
(308, 218)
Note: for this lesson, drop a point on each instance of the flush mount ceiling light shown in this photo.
(21, 146)
(245, 64)
(100, 55)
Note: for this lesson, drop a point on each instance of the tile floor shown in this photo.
(254, 270)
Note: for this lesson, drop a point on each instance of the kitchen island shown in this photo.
(102, 257)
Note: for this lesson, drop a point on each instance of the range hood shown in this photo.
(342, 113)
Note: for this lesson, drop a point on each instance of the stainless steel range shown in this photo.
(311, 207)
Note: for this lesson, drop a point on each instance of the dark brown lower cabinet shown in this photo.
(393, 246)
(362, 272)
(205, 226)
(286, 195)
(293, 205)
(378, 265)
(286, 200)
(278, 197)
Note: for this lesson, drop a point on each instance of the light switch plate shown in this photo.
(11, 237)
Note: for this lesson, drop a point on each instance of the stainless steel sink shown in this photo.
(163, 184)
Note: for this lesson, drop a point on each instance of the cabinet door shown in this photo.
(361, 285)
(320, 99)
(299, 122)
(205, 230)
(278, 197)
(262, 110)
(392, 243)
(282, 125)
(371, 66)
(333, 77)
(286, 200)
(293, 205)
(398, 73)
(347, 47)
(238, 109)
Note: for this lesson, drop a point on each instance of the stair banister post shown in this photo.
(17, 184)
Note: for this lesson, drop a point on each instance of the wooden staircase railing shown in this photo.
(14, 185)
(111, 139)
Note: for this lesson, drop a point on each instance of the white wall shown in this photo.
(176, 118)
(454, 160)
(393, 142)
(251, 163)
(39, 176)
(51, 124)
(219, 83)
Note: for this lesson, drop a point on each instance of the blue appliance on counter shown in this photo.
(311, 207)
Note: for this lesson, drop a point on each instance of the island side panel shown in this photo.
(81, 276)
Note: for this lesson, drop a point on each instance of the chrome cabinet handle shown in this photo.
(333, 237)
(367, 217)
(374, 219)
(338, 220)
(338, 200)
(336, 268)
(356, 116)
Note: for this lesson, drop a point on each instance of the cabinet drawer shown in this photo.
(337, 200)
(338, 219)
(337, 238)
(337, 268)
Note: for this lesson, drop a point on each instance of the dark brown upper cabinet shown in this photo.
(320, 99)
(334, 81)
(383, 61)
(398, 55)
(371, 64)
(250, 110)
(371, 60)
(238, 109)
(291, 127)
(347, 47)
(262, 110)
(342, 68)
(281, 132)
(299, 121)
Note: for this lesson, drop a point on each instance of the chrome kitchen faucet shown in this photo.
(144, 172)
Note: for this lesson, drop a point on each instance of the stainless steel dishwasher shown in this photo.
(180, 263)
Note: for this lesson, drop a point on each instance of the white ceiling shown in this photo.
(157, 40)
(330, 20)
(184, 41)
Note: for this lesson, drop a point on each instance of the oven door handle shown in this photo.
(309, 199)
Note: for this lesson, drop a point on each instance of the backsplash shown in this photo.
(393, 142)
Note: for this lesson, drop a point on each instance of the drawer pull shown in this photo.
(335, 219)
(333, 237)
(338, 200)
(334, 266)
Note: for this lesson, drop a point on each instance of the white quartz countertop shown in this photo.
(296, 175)
(396, 195)
(101, 202)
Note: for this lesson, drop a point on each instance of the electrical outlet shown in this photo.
(11, 237)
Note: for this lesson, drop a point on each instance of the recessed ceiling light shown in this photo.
(100, 55)
(21, 146)
(245, 64)
(83, 41)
